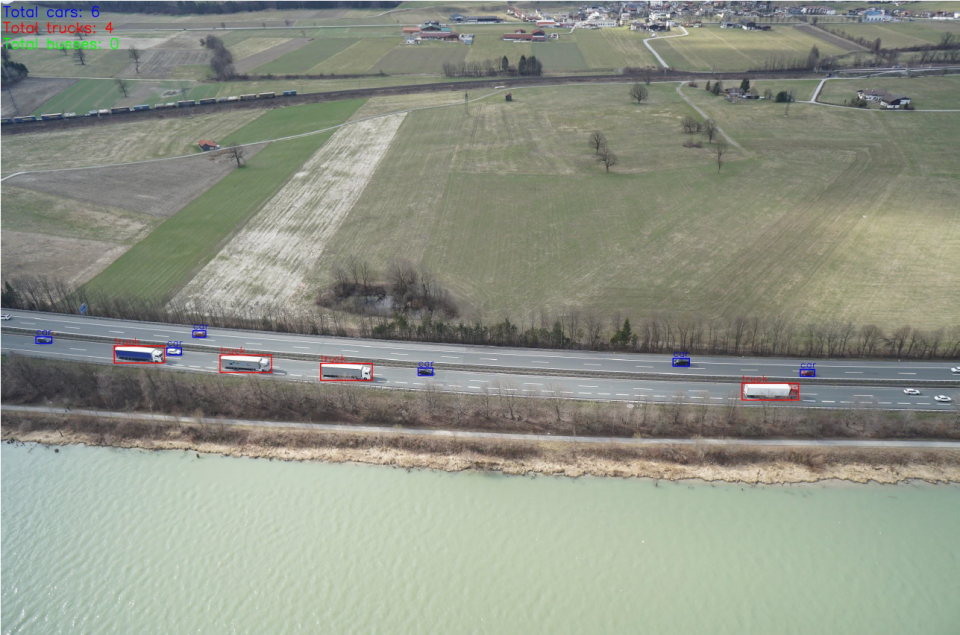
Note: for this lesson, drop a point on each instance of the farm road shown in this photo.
(704, 115)
(646, 43)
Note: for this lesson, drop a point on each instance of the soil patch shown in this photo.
(30, 93)
(160, 189)
(72, 259)
(258, 59)
(160, 63)
(830, 38)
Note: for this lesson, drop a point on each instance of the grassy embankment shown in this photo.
(808, 221)
(158, 265)
(81, 386)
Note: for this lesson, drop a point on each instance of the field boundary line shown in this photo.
(510, 436)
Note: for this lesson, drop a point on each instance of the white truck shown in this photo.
(246, 363)
(139, 354)
(770, 391)
(346, 371)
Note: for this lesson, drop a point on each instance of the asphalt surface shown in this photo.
(333, 427)
(528, 384)
(482, 356)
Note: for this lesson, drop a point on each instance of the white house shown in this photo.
(894, 101)
(873, 16)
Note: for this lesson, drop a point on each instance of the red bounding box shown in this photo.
(769, 391)
(346, 372)
(246, 364)
(139, 354)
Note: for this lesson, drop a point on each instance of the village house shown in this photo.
(522, 36)
(206, 145)
(871, 94)
(894, 101)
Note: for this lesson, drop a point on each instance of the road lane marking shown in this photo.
(586, 364)
(644, 366)
(695, 397)
(454, 385)
(853, 372)
(863, 395)
(536, 362)
(449, 357)
(481, 381)
(347, 350)
(923, 403)
(584, 393)
(662, 396)
(753, 369)
(619, 394)
(260, 344)
(810, 400)
(401, 382)
(295, 375)
(903, 403)
(489, 359)
(846, 402)
(825, 401)
(73, 328)
(304, 348)
(717, 398)
(604, 393)
(526, 383)
(121, 332)
(885, 403)
(79, 349)
(906, 373)
(582, 386)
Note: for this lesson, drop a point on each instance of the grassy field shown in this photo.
(160, 264)
(88, 94)
(357, 58)
(900, 34)
(285, 122)
(735, 49)
(423, 58)
(305, 58)
(827, 214)
(926, 93)
(133, 141)
(47, 63)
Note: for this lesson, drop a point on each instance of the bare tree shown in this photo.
(710, 130)
(236, 152)
(81, 56)
(135, 53)
(638, 93)
(721, 149)
(184, 87)
(123, 86)
(557, 402)
(607, 157)
(690, 125)
(597, 141)
(647, 75)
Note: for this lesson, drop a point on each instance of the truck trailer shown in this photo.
(246, 363)
(770, 391)
(346, 371)
(139, 354)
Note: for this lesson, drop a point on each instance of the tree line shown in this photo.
(564, 328)
(525, 67)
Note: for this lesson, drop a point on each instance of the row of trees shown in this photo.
(408, 288)
(570, 327)
(492, 68)
(10, 71)
(813, 62)
(602, 151)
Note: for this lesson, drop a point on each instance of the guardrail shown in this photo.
(513, 370)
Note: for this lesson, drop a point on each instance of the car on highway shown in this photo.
(952, 370)
(911, 391)
(942, 399)
(4, 316)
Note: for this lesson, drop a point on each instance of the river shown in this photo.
(99, 540)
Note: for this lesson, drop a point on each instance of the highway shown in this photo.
(486, 366)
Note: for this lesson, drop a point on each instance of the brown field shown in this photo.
(30, 93)
(73, 259)
(257, 59)
(158, 189)
(160, 63)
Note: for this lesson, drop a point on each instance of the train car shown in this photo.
(266, 95)
(119, 110)
(51, 116)
(186, 103)
(221, 100)
(6, 120)
(24, 119)
(69, 115)
(204, 102)
(247, 97)
(233, 98)
(142, 107)
(289, 93)
(103, 111)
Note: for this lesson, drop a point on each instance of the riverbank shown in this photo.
(752, 465)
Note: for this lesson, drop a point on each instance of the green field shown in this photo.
(166, 259)
(88, 94)
(47, 63)
(711, 48)
(424, 58)
(357, 58)
(306, 57)
(827, 214)
(926, 93)
(286, 122)
(900, 34)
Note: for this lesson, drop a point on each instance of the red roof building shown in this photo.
(439, 35)
(207, 144)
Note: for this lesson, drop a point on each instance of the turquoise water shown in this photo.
(121, 541)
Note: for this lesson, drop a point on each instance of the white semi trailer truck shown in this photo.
(139, 354)
(347, 371)
(246, 363)
(769, 391)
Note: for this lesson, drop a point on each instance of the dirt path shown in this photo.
(646, 42)
(271, 259)
(704, 115)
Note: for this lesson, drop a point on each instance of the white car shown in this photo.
(4, 316)
(955, 370)
(942, 399)
(911, 391)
